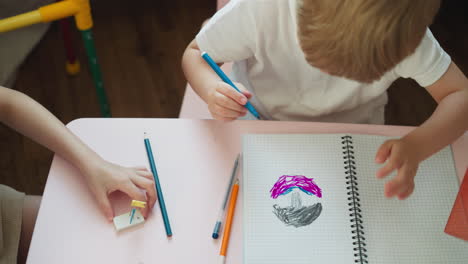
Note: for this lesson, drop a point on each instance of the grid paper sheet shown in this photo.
(268, 240)
(409, 231)
(412, 230)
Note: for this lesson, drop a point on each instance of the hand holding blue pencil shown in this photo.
(226, 79)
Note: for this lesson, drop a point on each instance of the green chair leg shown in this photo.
(96, 72)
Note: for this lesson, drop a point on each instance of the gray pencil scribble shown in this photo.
(296, 214)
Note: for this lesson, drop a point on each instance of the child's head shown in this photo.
(361, 39)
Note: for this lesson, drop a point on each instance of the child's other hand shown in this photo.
(402, 156)
(225, 103)
(104, 178)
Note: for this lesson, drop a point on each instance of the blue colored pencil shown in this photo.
(132, 215)
(162, 205)
(226, 79)
(217, 227)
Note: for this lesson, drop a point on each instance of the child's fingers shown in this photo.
(384, 152)
(227, 102)
(230, 92)
(405, 194)
(104, 204)
(391, 188)
(146, 174)
(247, 94)
(148, 186)
(220, 112)
(406, 176)
(401, 182)
(389, 167)
(140, 168)
(218, 117)
(398, 188)
(225, 112)
(244, 91)
(135, 194)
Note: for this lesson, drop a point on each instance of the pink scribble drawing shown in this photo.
(296, 214)
(287, 183)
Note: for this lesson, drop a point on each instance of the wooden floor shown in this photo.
(140, 44)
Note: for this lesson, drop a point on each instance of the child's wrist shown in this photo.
(90, 164)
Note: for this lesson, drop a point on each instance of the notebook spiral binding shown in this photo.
(354, 201)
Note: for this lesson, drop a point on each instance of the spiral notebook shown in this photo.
(315, 199)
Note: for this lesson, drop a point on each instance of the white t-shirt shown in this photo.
(260, 37)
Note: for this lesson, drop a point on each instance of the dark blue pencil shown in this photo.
(226, 79)
(162, 205)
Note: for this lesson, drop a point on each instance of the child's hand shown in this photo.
(225, 103)
(403, 156)
(105, 178)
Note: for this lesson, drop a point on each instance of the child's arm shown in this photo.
(223, 101)
(26, 116)
(447, 123)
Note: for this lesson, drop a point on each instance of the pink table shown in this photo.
(194, 160)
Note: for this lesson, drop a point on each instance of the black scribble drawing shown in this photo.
(296, 214)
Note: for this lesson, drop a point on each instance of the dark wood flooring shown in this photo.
(140, 44)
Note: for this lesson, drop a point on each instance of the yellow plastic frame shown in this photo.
(80, 9)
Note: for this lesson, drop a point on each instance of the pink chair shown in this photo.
(193, 106)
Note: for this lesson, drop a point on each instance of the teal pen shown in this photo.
(162, 205)
(226, 79)
(217, 227)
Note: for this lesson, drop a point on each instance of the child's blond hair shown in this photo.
(362, 39)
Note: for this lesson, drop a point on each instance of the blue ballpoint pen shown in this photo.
(226, 79)
(219, 221)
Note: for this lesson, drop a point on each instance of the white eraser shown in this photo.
(122, 222)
